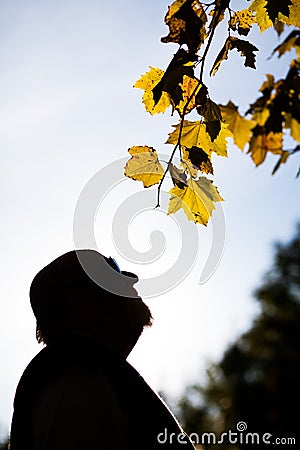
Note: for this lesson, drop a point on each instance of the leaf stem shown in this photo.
(164, 175)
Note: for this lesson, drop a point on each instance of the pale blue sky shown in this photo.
(67, 109)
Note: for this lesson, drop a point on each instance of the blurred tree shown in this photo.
(257, 380)
(4, 444)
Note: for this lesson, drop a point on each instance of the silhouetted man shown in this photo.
(79, 392)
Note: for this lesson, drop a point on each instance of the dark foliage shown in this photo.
(257, 380)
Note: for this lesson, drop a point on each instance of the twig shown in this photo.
(165, 173)
(215, 17)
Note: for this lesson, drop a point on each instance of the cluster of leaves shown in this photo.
(192, 25)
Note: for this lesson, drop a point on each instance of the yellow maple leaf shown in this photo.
(195, 159)
(261, 144)
(194, 134)
(291, 41)
(261, 116)
(219, 145)
(173, 9)
(238, 125)
(190, 88)
(178, 176)
(268, 84)
(144, 165)
(147, 82)
(242, 21)
(294, 16)
(293, 125)
(180, 30)
(187, 164)
(270, 13)
(262, 17)
(282, 160)
(221, 57)
(244, 47)
(196, 199)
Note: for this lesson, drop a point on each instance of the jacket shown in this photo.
(149, 424)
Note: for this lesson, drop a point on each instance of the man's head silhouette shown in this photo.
(84, 292)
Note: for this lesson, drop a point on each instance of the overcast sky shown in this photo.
(68, 111)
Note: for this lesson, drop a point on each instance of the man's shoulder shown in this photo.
(79, 404)
(76, 389)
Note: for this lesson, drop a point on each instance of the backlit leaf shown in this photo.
(246, 48)
(282, 160)
(213, 128)
(293, 16)
(219, 145)
(276, 7)
(190, 88)
(201, 99)
(178, 176)
(144, 165)
(186, 20)
(199, 159)
(218, 13)
(274, 12)
(268, 85)
(210, 111)
(242, 21)
(293, 125)
(223, 54)
(196, 199)
(261, 144)
(262, 17)
(261, 116)
(147, 82)
(181, 64)
(238, 125)
(187, 164)
(194, 134)
(291, 41)
(212, 117)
